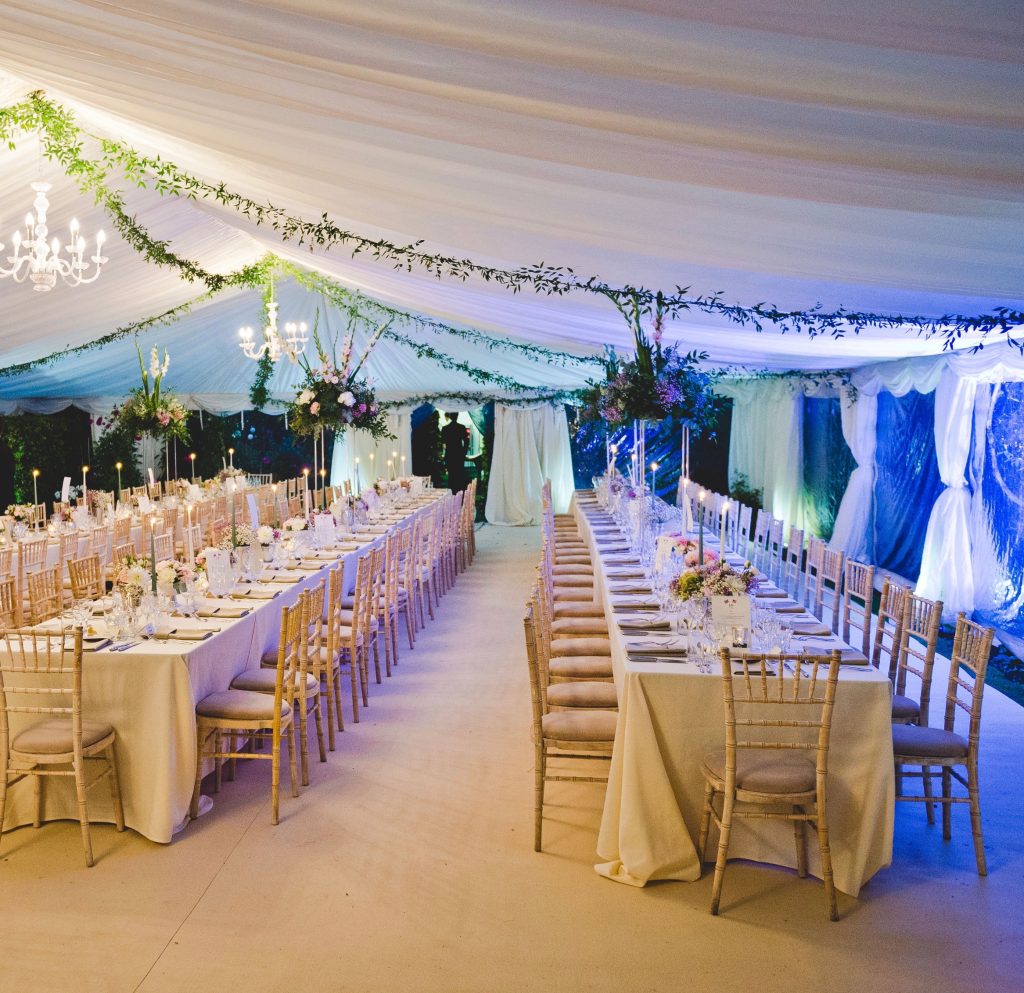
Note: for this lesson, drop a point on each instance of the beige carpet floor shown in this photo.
(408, 865)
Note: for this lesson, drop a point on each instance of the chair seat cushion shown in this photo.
(586, 725)
(581, 667)
(601, 696)
(263, 680)
(574, 569)
(578, 594)
(573, 626)
(908, 739)
(54, 736)
(581, 646)
(765, 771)
(904, 707)
(571, 609)
(240, 705)
(573, 582)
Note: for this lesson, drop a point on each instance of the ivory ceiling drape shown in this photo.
(531, 444)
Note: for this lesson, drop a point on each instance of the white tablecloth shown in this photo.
(149, 694)
(670, 716)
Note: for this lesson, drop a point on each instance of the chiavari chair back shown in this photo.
(100, 543)
(122, 530)
(406, 579)
(163, 546)
(45, 594)
(8, 602)
(828, 586)
(38, 518)
(812, 568)
(762, 526)
(919, 639)
(87, 580)
(791, 573)
(776, 549)
(858, 594)
(6, 560)
(889, 627)
(945, 751)
(41, 681)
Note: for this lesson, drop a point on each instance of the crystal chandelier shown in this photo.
(41, 261)
(273, 344)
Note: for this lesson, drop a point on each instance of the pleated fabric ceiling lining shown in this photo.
(846, 155)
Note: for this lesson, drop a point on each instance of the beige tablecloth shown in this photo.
(670, 716)
(149, 694)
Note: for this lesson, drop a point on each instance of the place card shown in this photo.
(254, 511)
(733, 611)
(65, 488)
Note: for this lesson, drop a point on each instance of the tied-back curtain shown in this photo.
(766, 444)
(530, 445)
(350, 445)
(852, 529)
(946, 570)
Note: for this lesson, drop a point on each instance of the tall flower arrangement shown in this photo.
(333, 393)
(149, 408)
(657, 382)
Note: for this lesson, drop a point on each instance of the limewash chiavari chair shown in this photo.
(812, 568)
(577, 659)
(163, 545)
(743, 526)
(377, 573)
(404, 600)
(45, 594)
(944, 751)
(256, 715)
(387, 606)
(38, 518)
(776, 549)
(858, 593)
(828, 586)
(412, 573)
(791, 573)
(5, 560)
(586, 735)
(8, 603)
(761, 528)
(87, 580)
(919, 639)
(889, 627)
(122, 531)
(766, 762)
(356, 630)
(100, 543)
(330, 654)
(41, 676)
(308, 691)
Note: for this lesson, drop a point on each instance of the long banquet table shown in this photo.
(149, 694)
(671, 716)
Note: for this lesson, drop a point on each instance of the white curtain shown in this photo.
(530, 444)
(766, 444)
(946, 570)
(852, 531)
(351, 445)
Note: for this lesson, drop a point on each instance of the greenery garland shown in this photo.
(470, 399)
(63, 142)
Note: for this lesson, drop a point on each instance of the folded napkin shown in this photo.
(651, 622)
(637, 587)
(656, 646)
(789, 608)
(637, 573)
(769, 592)
(224, 611)
(95, 644)
(193, 634)
(807, 627)
(621, 603)
(256, 594)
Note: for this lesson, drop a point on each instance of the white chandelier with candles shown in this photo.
(40, 261)
(292, 344)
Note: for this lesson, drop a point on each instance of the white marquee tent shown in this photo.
(866, 157)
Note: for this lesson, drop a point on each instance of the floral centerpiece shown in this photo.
(714, 579)
(174, 574)
(266, 535)
(689, 550)
(295, 524)
(149, 409)
(134, 575)
(657, 382)
(20, 512)
(230, 472)
(237, 536)
(335, 396)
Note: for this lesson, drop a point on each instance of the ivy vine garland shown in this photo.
(63, 141)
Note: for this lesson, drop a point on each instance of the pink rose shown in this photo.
(163, 417)
(314, 408)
